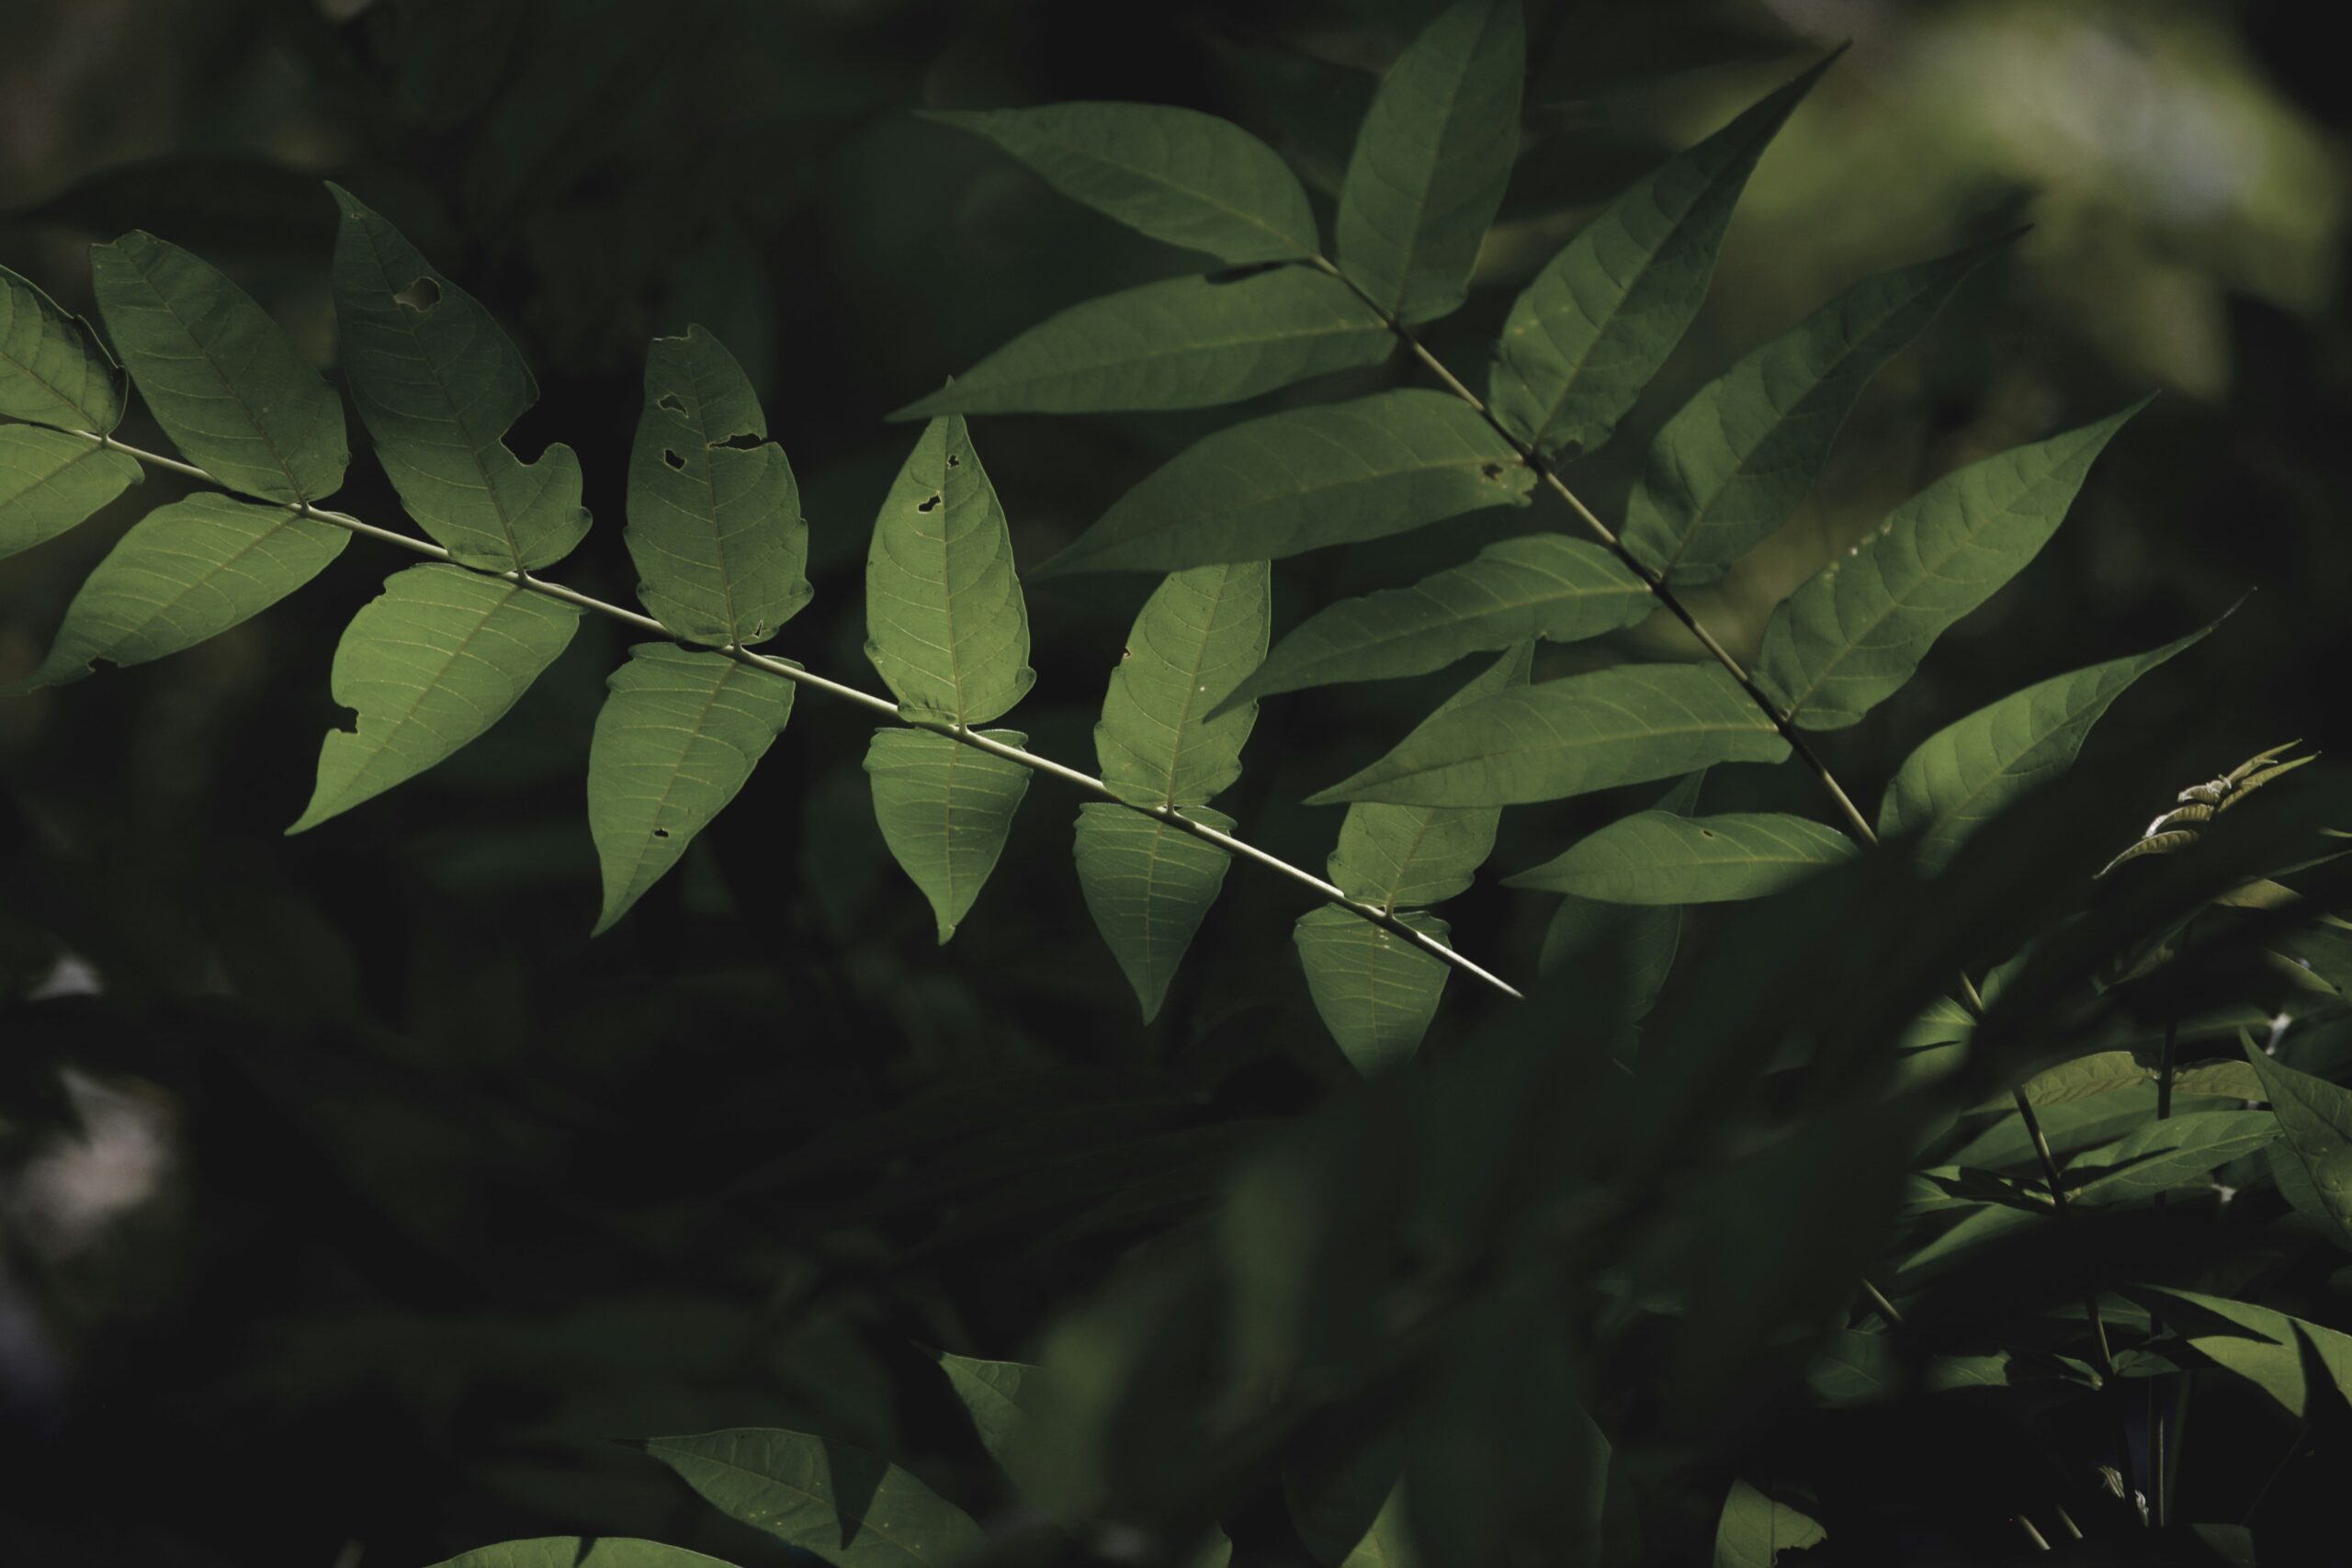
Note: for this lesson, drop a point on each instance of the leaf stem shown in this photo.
(881, 707)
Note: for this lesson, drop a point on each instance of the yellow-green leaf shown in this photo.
(945, 809)
(51, 370)
(50, 482)
(1374, 992)
(1148, 885)
(1198, 636)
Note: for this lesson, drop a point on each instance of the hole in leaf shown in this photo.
(672, 459)
(1706, 832)
(672, 403)
(1491, 470)
(419, 296)
(660, 833)
(953, 461)
(741, 441)
(928, 505)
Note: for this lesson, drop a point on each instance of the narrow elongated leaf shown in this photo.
(677, 736)
(50, 482)
(991, 1394)
(1853, 635)
(430, 663)
(1148, 886)
(1543, 586)
(1972, 770)
(1374, 992)
(2107, 1072)
(838, 1501)
(1186, 342)
(2271, 1350)
(575, 1551)
(1306, 479)
(1588, 334)
(1733, 464)
(1403, 857)
(1179, 175)
(1658, 857)
(2315, 1116)
(1431, 160)
(713, 511)
(946, 626)
(1198, 636)
(217, 374)
(1755, 1530)
(183, 573)
(438, 385)
(2163, 1155)
(945, 809)
(1564, 738)
(51, 370)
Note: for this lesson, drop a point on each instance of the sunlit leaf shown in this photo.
(217, 374)
(183, 573)
(714, 512)
(438, 385)
(1374, 992)
(430, 663)
(1183, 343)
(677, 736)
(1148, 886)
(1755, 1530)
(1179, 175)
(945, 809)
(1588, 334)
(2271, 1350)
(1569, 737)
(1306, 479)
(1540, 585)
(2107, 1072)
(2315, 1117)
(50, 482)
(945, 623)
(992, 1395)
(1850, 636)
(1432, 160)
(1657, 857)
(1732, 466)
(1197, 637)
(2160, 1156)
(51, 370)
(575, 1551)
(825, 1497)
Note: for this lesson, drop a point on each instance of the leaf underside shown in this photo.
(1198, 636)
(1148, 886)
(50, 482)
(1374, 992)
(51, 371)
(945, 809)
(1662, 857)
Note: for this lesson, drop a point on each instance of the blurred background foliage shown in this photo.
(350, 1200)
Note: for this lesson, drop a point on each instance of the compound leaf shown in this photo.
(1374, 992)
(2315, 1116)
(1198, 636)
(1306, 478)
(51, 370)
(677, 736)
(430, 663)
(1184, 342)
(1663, 857)
(1179, 175)
(183, 573)
(1588, 334)
(1854, 634)
(438, 385)
(1148, 885)
(50, 482)
(713, 511)
(217, 374)
(946, 626)
(1431, 160)
(821, 1496)
(945, 809)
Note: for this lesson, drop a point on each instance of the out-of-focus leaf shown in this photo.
(945, 809)
(50, 482)
(1148, 886)
(2315, 1116)
(575, 1551)
(51, 370)
(838, 1501)
(1658, 857)
(1374, 991)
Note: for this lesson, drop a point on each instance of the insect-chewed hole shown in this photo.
(953, 461)
(741, 441)
(1491, 470)
(928, 505)
(419, 296)
(1706, 832)
(672, 459)
(673, 403)
(660, 833)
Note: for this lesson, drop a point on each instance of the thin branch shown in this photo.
(881, 707)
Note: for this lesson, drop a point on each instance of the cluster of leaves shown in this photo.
(1939, 1116)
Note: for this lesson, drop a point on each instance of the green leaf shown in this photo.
(1185, 342)
(1406, 856)
(946, 626)
(1658, 857)
(1732, 466)
(838, 1502)
(1148, 886)
(2107, 1072)
(183, 573)
(50, 482)
(1540, 585)
(1564, 738)
(1976, 768)
(1348, 1542)
(1853, 635)
(1179, 175)
(1374, 992)
(1588, 334)
(677, 736)
(1198, 634)
(1306, 479)
(714, 512)
(2317, 1117)
(430, 663)
(992, 1395)
(2160, 1156)
(945, 809)
(575, 1551)
(51, 370)
(217, 374)
(1431, 160)
(438, 385)
(1645, 936)
(2271, 1350)
(1755, 1530)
